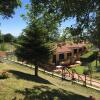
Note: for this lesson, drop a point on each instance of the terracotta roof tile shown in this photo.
(62, 48)
(2, 53)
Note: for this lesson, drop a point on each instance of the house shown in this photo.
(67, 53)
(3, 54)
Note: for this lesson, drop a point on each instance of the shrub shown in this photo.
(3, 47)
(4, 75)
(88, 57)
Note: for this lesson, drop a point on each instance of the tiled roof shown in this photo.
(62, 48)
(2, 53)
(79, 45)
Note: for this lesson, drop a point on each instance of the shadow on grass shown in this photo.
(29, 77)
(46, 93)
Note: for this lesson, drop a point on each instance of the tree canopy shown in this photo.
(8, 37)
(86, 12)
(7, 7)
(43, 18)
(33, 47)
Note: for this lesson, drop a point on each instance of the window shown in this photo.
(80, 50)
(61, 56)
(75, 51)
(84, 48)
(54, 58)
(69, 55)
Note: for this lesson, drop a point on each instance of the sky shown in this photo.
(16, 24)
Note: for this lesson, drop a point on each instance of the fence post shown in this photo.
(73, 78)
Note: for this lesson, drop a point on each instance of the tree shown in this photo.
(41, 29)
(7, 7)
(66, 35)
(33, 48)
(47, 14)
(86, 12)
(19, 39)
(1, 40)
(8, 37)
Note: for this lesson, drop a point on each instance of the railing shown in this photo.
(68, 76)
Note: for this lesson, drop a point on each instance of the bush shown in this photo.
(3, 47)
(88, 57)
(86, 72)
(4, 75)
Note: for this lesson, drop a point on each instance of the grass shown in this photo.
(7, 47)
(88, 54)
(93, 64)
(87, 59)
(79, 69)
(47, 93)
(23, 85)
(96, 70)
(95, 74)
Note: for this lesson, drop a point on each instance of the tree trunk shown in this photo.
(36, 70)
(96, 59)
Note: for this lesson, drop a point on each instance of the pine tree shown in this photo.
(33, 48)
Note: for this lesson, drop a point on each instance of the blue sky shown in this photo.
(16, 24)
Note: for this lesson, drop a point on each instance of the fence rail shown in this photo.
(78, 81)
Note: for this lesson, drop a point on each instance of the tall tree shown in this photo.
(8, 37)
(46, 14)
(33, 48)
(86, 12)
(1, 40)
(42, 28)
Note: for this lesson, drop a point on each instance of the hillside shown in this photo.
(23, 85)
(7, 47)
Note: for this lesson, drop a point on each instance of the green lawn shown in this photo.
(7, 47)
(93, 64)
(90, 59)
(88, 54)
(95, 73)
(79, 69)
(23, 85)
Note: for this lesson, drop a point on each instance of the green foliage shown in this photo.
(20, 39)
(8, 37)
(89, 56)
(79, 69)
(41, 29)
(1, 37)
(93, 65)
(33, 47)
(66, 35)
(86, 12)
(86, 72)
(3, 47)
(4, 75)
(7, 7)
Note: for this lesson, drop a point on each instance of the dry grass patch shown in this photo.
(23, 80)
